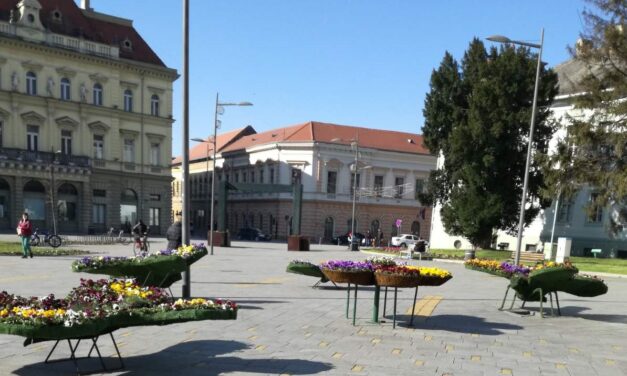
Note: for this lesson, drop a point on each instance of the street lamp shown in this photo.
(219, 110)
(355, 146)
(207, 142)
(52, 189)
(521, 220)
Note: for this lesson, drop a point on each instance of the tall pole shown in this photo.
(185, 164)
(206, 216)
(354, 195)
(557, 206)
(213, 173)
(52, 189)
(521, 220)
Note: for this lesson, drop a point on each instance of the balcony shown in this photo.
(44, 158)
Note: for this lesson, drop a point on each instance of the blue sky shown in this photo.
(353, 62)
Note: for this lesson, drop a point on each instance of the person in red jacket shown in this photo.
(24, 231)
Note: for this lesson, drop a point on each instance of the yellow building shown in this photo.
(85, 120)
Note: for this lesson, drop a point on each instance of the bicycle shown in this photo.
(52, 240)
(124, 240)
(141, 244)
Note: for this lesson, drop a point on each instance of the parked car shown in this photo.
(252, 234)
(343, 239)
(404, 240)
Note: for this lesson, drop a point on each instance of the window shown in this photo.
(32, 138)
(596, 215)
(154, 105)
(378, 185)
(129, 150)
(400, 189)
(272, 176)
(237, 177)
(564, 211)
(31, 83)
(153, 217)
(1, 133)
(128, 100)
(97, 93)
(66, 142)
(420, 186)
(244, 175)
(331, 182)
(296, 176)
(65, 89)
(252, 176)
(98, 213)
(155, 157)
(98, 146)
(261, 176)
(154, 197)
(353, 186)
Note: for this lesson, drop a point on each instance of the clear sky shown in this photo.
(352, 62)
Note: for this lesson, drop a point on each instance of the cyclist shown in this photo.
(140, 234)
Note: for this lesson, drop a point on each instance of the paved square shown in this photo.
(286, 327)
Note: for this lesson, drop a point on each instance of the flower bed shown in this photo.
(305, 268)
(102, 306)
(501, 269)
(358, 273)
(432, 276)
(161, 269)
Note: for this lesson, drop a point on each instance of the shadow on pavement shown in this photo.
(458, 323)
(576, 311)
(190, 358)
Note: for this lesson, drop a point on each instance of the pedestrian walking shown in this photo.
(174, 235)
(24, 231)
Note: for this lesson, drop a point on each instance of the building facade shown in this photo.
(85, 120)
(392, 167)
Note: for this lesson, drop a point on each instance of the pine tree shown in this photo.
(477, 116)
(593, 151)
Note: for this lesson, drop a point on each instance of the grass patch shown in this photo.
(603, 265)
(15, 249)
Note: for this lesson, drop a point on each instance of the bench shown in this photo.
(529, 256)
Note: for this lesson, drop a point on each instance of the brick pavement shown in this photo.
(286, 327)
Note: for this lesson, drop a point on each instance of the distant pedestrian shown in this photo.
(24, 231)
(174, 235)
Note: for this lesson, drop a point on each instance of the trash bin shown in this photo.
(420, 246)
(469, 255)
(355, 245)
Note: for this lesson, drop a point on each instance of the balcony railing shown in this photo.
(43, 157)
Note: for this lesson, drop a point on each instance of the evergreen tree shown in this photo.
(477, 117)
(593, 151)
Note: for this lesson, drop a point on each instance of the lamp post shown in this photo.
(219, 110)
(355, 146)
(521, 220)
(207, 142)
(52, 189)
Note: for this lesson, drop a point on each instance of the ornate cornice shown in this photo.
(67, 72)
(67, 122)
(30, 65)
(98, 126)
(97, 77)
(129, 133)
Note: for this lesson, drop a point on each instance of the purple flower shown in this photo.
(347, 265)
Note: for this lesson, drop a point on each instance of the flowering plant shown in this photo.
(381, 260)
(432, 272)
(347, 266)
(303, 262)
(97, 300)
(511, 269)
(99, 262)
(400, 270)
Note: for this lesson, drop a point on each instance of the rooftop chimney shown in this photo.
(85, 5)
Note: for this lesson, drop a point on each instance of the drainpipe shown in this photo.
(141, 147)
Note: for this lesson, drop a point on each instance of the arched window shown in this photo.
(128, 209)
(67, 203)
(97, 92)
(154, 105)
(31, 83)
(128, 100)
(5, 199)
(375, 225)
(329, 224)
(35, 200)
(415, 228)
(65, 89)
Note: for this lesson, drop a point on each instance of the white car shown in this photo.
(404, 240)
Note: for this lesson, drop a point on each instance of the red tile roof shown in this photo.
(325, 132)
(76, 23)
(199, 151)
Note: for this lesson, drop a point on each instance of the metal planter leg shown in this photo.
(413, 307)
(394, 313)
(385, 300)
(557, 300)
(348, 298)
(355, 305)
(504, 298)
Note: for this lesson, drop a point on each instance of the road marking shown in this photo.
(419, 363)
(425, 307)
(275, 280)
(357, 368)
